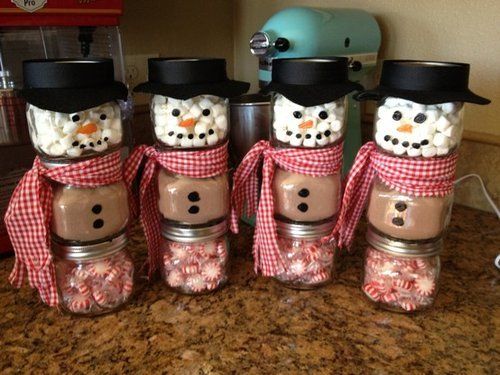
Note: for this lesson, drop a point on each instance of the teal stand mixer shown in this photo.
(316, 32)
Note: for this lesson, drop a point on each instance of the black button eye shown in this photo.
(297, 114)
(323, 115)
(420, 118)
(103, 117)
(75, 118)
(176, 112)
(205, 112)
(397, 116)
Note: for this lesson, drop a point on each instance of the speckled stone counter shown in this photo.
(256, 326)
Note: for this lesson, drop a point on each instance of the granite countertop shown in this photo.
(257, 326)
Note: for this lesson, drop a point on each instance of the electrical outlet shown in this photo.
(136, 71)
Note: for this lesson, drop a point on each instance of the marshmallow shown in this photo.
(296, 141)
(195, 110)
(414, 151)
(221, 122)
(440, 140)
(429, 152)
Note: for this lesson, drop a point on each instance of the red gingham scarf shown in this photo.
(194, 164)
(29, 214)
(418, 177)
(311, 162)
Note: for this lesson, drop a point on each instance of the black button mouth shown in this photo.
(400, 206)
(304, 193)
(398, 221)
(194, 210)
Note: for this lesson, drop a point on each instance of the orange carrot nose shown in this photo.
(406, 128)
(187, 123)
(306, 124)
(87, 128)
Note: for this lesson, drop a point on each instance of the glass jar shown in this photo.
(83, 215)
(195, 260)
(401, 276)
(308, 127)
(93, 279)
(90, 132)
(198, 122)
(308, 261)
(302, 198)
(405, 217)
(192, 201)
(406, 128)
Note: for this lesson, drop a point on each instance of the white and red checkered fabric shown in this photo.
(194, 164)
(420, 177)
(311, 162)
(29, 214)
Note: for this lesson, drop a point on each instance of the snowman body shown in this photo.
(193, 201)
(310, 127)
(407, 217)
(305, 199)
(406, 128)
(89, 132)
(89, 214)
(197, 122)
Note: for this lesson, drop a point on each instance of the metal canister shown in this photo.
(250, 120)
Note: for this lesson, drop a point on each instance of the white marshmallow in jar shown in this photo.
(72, 108)
(401, 276)
(406, 128)
(94, 279)
(309, 262)
(197, 122)
(294, 125)
(189, 105)
(195, 260)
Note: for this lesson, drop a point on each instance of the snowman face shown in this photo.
(70, 135)
(88, 214)
(192, 200)
(196, 122)
(408, 128)
(316, 126)
(303, 198)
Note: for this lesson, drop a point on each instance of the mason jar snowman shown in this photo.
(418, 122)
(74, 196)
(309, 116)
(72, 108)
(188, 163)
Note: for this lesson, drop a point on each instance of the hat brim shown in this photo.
(311, 95)
(69, 100)
(422, 97)
(224, 89)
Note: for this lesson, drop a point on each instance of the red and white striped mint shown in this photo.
(212, 285)
(190, 268)
(319, 277)
(313, 251)
(167, 259)
(100, 268)
(408, 306)
(209, 249)
(298, 267)
(127, 287)
(100, 297)
(114, 273)
(390, 297)
(196, 283)
(175, 278)
(211, 271)
(402, 284)
(425, 286)
(372, 291)
(80, 273)
(127, 266)
(179, 252)
(83, 289)
(79, 303)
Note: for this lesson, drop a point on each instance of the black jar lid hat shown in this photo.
(184, 78)
(70, 85)
(424, 82)
(311, 81)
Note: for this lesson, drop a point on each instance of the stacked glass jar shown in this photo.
(419, 116)
(189, 113)
(308, 112)
(74, 115)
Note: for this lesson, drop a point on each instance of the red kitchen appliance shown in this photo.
(34, 29)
